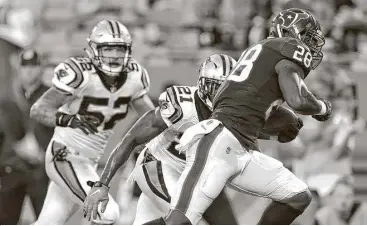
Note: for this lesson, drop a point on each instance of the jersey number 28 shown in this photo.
(303, 56)
(244, 65)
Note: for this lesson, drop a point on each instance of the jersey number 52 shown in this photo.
(121, 103)
(244, 65)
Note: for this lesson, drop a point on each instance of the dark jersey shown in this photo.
(244, 100)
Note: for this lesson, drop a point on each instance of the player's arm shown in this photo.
(146, 128)
(150, 125)
(296, 94)
(67, 82)
(141, 102)
(45, 109)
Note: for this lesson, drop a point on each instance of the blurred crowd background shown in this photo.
(172, 37)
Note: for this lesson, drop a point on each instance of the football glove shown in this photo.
(87, 123)
(97, 194)
(325, 116)
(290, 132)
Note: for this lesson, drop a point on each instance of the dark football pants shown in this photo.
(14, 186)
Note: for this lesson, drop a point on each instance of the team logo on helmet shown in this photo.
(290, 18)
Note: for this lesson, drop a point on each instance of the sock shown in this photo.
(158, 221)
(279, 214)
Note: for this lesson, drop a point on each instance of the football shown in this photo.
(279, 118)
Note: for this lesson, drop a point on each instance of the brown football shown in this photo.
(279, 118)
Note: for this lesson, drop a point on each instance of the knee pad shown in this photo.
(299, 201)
(110, 215)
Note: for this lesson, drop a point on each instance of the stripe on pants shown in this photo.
(192, 178)
(67, 173)
(151, 179)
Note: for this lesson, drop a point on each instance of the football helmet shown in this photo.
(111, 44)
(213, 71)
(302, 25)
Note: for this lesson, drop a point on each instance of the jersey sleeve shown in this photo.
(170, 108)
(297, 52)
(144, 81)
(69, 77)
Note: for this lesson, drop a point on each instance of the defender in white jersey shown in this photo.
(88, 97)
(159, 165)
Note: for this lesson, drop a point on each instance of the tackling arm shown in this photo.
(46, 107)
(295, 92)
(146, 128)
(143, 105)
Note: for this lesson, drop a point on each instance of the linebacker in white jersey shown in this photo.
(88, 97)
(159, 165)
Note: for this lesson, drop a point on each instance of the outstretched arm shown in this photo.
(295, 92)
(146, 128)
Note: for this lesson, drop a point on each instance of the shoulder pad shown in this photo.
(170, 106)
(294, 50)
(175, 101)
(133, 66)
(140, 71)
(145, 80)
(72, 74)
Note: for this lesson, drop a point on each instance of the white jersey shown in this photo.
(178, 106)
(77, 76)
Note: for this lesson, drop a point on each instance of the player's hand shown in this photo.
(87, 123)
(98, 194)
(325, 116)
(290, 132)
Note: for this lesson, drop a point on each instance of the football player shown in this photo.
(180, 107)
(222, 150)
(88, 97)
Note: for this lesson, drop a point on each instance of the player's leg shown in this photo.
(211, 159)
(11, 200)
(37, 189)
(71, 173)
(267, 177)
(150, 179)
(220, 212)
(57, 207)
(125, 195)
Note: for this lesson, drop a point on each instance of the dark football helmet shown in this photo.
(302, 25)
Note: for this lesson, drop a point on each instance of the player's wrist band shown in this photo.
(99, 184)
(323, 108)
(62, 119)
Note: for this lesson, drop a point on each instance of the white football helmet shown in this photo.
(213, 71)
(113, 34)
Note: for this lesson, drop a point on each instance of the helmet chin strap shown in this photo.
(206, 101)
(209, 104)
(91, 56)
